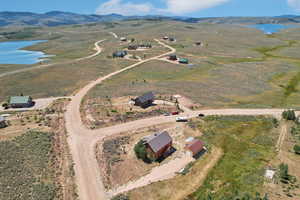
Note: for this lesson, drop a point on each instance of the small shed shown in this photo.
(20, 102)
(198, 43)
(195, 147)
(2, 122)
(145, 100)
(173, 57)
(183, 61)
(158, 144)
(119, 54)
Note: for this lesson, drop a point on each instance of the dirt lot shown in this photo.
(103, 112)
(117, 159)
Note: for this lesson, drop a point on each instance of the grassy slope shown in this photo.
(25, 171)
(248, 144)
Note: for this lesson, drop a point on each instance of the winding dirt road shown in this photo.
(82, 141)
(98, 50)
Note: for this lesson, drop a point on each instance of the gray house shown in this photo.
(145, 100)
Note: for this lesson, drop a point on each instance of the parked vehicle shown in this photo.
(175, 113)
(181, 119)
(201, 115)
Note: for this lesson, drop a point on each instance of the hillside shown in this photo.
(58, 18)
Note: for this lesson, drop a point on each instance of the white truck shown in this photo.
(181, 119)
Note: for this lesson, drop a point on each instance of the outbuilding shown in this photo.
(172, 57)
(194, 146)
(158, 145)
(145, 100)
(2, 122)
(20, 102)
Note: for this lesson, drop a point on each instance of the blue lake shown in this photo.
(271, 28)
(12, 53)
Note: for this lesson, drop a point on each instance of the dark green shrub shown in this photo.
(297, 149)
(289, 115)
(284, 173)
(141, 152)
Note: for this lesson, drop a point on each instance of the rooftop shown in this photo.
(195, 146)
(19, 99)
(146, 97)
(158, 140)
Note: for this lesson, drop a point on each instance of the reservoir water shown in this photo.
(12, 53)
(271, 28)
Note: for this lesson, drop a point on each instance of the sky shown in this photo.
(190, 8)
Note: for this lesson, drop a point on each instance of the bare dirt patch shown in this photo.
(118, 162)
(103, 112)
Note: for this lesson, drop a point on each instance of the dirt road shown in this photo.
(114, 34)
(97, 48)
(283, 133)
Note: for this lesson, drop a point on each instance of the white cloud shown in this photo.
(295, 4)
(177, 7)
(188, 6)
(124, 8)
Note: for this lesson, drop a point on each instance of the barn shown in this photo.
(158, 144)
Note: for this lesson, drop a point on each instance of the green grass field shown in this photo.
(248, 144)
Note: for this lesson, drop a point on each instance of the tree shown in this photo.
(289, 115)
(297, 149)
(284, 172)
(141, 152)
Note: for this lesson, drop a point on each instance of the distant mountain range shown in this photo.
(57, 18)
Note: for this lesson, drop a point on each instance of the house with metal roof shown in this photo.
(158, 144)
(145, 100)
(2, 122)
(183, 61)
(20, 102)
(119, 54)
